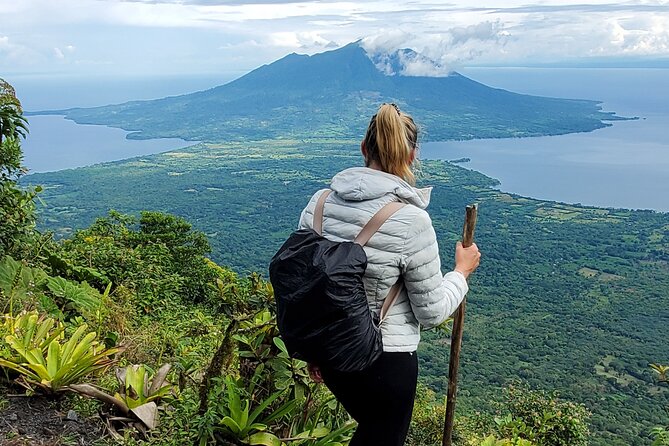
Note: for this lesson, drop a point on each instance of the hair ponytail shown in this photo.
(390, 140)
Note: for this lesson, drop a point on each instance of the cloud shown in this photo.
(234, 35)
(222, 2)
(580, 8)
(641, 36)
(433, 54)
(300, 40)
(414, 64)
(13, 52)
(6, 46)
(484, 31)
(62, 54)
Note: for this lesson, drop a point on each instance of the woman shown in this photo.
(380, 398)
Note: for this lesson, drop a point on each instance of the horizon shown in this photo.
(38, 91)
(41, 93)
(231, 38)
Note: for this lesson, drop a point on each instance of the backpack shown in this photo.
(322, 310)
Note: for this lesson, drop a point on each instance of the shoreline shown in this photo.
(623, 167)
(471, 163)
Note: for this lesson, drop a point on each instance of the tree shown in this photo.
(16, 205)
(12, 122)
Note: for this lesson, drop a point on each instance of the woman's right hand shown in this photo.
(466, 259)
(315, 373)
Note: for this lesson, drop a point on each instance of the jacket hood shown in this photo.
(363, 183)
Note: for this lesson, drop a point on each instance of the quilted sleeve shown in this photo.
(433, 296)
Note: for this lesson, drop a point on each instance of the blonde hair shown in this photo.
(391, 138)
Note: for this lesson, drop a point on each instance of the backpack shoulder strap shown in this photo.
(318, 212)
(363, 237)
(377, 221)
(391, 298)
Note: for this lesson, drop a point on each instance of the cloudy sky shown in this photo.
(147, 37)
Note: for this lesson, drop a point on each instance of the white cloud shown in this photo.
(6, 47)
(63, 53)
(418, 65)
(211, 35)
(643, 35)
(13, 53)
(438, 54)
(299, 40)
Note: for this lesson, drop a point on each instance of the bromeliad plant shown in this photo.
(322, 422)
(661, 371)
(240, 423)
(265, 396)
(138, 395)
(37, 348)
(137, 388)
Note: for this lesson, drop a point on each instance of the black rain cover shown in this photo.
(322, 310)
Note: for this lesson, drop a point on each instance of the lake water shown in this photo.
(626, 165)
(55, 143)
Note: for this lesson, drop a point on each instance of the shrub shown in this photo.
(17, 209)
(25, 287)
(427, 422)
(160, 257)
(543, 418)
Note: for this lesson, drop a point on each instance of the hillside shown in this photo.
(568, 298)
(332, 95)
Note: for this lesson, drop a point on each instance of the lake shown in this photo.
(626, 165)
(55, 143)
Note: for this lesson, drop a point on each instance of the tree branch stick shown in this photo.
(456, 337)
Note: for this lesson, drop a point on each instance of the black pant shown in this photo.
(380, 398)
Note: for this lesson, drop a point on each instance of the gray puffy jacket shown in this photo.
(406, 245)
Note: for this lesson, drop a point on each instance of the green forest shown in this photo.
(133, 291)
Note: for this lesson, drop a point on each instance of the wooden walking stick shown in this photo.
(456, 337)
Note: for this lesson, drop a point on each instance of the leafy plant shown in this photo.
(661, 371)
(492, 441)
(321, 423)
(660, 436)
(137, 396)
(22, 286)
(137, 388)
(44, 358)
(74, 297)
(242, 423)
(159, 256)
(427, 422)
(19, 283)
(17, 208)
(289, 372)
(542, 418)
(12, 122)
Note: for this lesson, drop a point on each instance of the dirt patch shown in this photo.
(37, 420)
(588, 272)
(606, 277)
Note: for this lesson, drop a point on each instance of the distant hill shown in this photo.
(333, 94)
